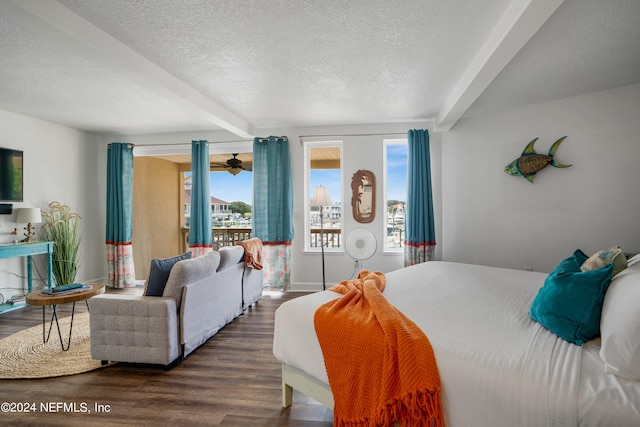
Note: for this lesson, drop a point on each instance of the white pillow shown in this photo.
(633, 260)
(620, 325)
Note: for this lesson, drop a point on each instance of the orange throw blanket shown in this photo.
(380, 365)
(252, 253)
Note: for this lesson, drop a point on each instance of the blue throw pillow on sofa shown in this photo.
(159, 274)
(570, 302)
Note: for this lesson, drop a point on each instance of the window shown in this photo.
(395, 193)
(231, 193)
(323, 171)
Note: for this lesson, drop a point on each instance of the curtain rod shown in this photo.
(213, 142)
(354, 134)
(284, 138)
(189, 143)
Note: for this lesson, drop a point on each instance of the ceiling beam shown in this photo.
(520, 21)
(60, 25)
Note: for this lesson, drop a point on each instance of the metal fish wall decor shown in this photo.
(530, 162)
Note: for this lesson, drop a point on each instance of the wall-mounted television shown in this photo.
(11, 181)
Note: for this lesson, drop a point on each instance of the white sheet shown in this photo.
(497, 366)
(604, 399)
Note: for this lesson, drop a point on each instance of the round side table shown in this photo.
(43, 299)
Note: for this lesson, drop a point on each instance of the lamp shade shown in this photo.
(28, 215)
(234, 171)
(321, 196)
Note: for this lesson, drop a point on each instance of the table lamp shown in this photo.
(30, 216)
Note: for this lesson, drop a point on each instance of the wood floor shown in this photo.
(231, 380)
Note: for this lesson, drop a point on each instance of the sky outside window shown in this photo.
(230, 188)
(397, 172)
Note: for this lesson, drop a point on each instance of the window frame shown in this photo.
(385, 144)
(308, 144)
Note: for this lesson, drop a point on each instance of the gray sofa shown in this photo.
(251, 287)
(201, 296)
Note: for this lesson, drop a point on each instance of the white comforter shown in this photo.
(497, 366)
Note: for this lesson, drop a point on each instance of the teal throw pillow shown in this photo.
(159, 274)
(570, 302)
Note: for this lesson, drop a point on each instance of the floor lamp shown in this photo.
(321, 199)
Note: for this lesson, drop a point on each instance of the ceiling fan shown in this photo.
(234, 165)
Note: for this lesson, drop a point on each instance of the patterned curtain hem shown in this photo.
(276, 262)
(417, 253)
(120, 262)
(199, 250)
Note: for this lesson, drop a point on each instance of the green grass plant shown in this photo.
(60, 226)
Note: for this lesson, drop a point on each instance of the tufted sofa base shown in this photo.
(202, 295)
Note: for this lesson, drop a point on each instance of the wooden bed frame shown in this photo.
(294, 378)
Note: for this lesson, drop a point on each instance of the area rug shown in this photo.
(24, 355)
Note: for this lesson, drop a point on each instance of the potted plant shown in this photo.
(60, 226)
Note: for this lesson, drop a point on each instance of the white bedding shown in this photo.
(604, 399)
(497, 366)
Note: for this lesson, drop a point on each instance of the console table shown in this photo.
(13, 250)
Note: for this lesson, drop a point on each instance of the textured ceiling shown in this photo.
(148, 66)
(586, 46)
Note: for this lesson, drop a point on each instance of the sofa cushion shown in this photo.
(230, 255)
(189, 271)
(159, 270)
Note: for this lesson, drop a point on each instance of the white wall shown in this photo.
(482, 215)
(60, 163)
(360, 152)
(494, 219)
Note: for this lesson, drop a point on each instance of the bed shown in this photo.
(498, 367)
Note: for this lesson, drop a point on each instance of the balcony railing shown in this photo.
(221, 236)
(230, 236)
(332, 237)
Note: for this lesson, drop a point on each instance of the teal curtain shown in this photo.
(420, 236)
(119, 215)
(273, 208)
(200, 240)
